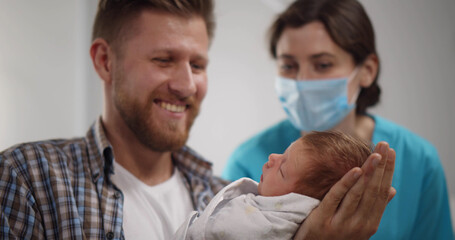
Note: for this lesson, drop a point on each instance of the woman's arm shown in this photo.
(353, 207)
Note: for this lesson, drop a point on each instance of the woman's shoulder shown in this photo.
(402, 139)
(389, 129)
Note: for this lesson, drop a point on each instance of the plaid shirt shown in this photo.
(60, 189)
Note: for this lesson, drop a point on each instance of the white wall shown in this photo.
(48, 88)
(241, 98)
(43, 70)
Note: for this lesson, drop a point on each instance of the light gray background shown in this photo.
(48, 88)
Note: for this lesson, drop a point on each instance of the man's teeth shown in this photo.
(172, 107)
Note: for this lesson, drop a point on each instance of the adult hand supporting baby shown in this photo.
(353, 207)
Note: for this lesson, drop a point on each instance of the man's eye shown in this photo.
(162, 61)
(198, 66)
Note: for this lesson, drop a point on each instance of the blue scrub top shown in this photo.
(419, 210)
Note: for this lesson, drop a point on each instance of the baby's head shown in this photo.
(312, 164)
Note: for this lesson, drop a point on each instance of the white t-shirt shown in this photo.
(152, 212)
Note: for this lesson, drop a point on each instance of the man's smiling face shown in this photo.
(159, 78)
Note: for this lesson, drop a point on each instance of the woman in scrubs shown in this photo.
(328, 77)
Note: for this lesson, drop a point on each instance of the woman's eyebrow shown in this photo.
(322, 54)
(286, 56)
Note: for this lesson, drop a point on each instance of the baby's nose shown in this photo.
(272, 160)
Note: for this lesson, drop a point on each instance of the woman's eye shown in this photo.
(286, 67)
(323, 66)
(288, 70)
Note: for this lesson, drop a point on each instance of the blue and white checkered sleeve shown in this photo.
(19, 218)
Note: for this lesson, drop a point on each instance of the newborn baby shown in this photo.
(291, 186)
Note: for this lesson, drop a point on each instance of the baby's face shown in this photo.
(283, 171)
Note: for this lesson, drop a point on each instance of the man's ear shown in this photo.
(102, 57)
(369, 70)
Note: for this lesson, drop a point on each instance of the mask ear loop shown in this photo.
(350, 78)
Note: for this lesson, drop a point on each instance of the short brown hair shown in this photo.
(331, 155)
(347, 24)
(113, 16)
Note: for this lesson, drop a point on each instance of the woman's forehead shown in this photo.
(308, 40)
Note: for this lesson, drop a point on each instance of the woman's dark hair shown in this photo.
(347, 24)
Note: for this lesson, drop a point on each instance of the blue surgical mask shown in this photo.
(315, 105)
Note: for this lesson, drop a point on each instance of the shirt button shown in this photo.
(117, 195)
(95, 177)
(110, 235)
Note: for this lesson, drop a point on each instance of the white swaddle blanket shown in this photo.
(238, 212)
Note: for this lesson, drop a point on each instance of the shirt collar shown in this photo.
(101, 155)
(189, 162)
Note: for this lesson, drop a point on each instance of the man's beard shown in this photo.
(157, 136)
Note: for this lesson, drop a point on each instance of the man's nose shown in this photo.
(182, 83)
